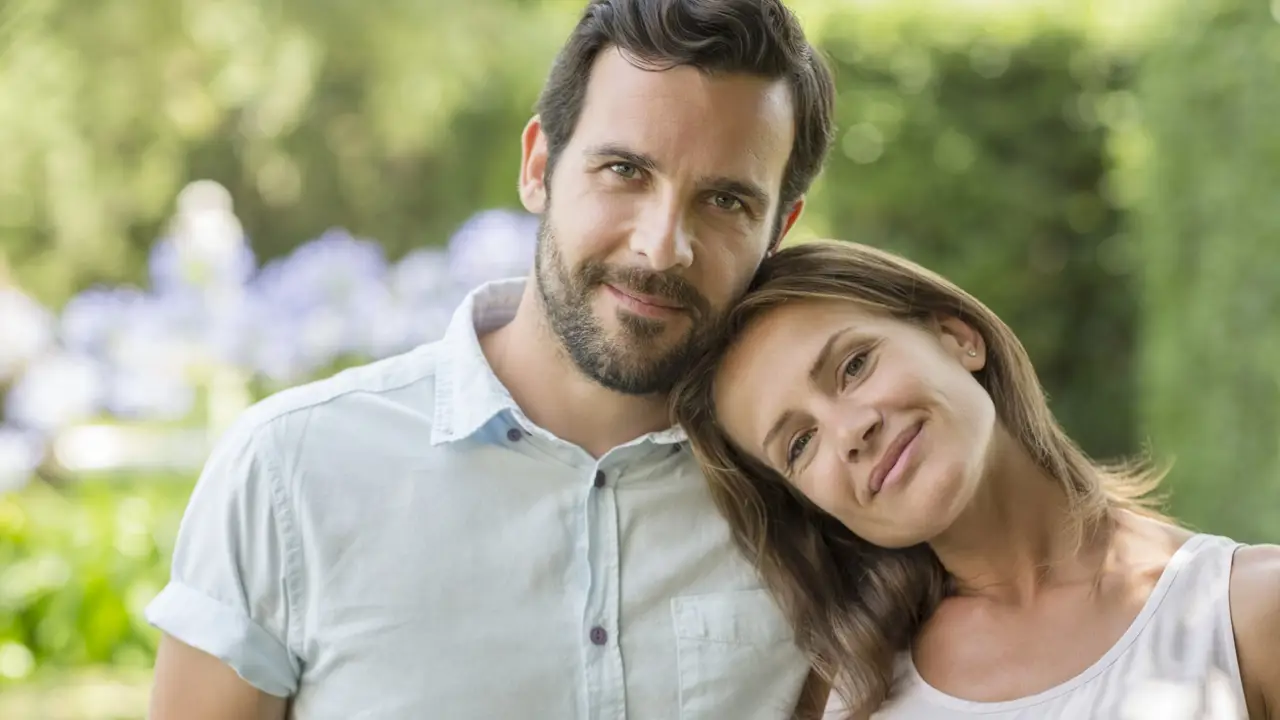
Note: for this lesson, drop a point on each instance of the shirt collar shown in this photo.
(468, 394)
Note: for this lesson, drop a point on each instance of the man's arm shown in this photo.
(229, 611)
(1255, 616)
(194, 685)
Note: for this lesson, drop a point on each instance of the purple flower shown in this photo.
(319, 301)
(491, 245)
(20, 454)
(148, 396)
(264, 338)
(402, 326)
(424, 274)
(423, 296)
(329, 270)
(63, 388)
(26, 331)
(91, 320)
(178, 267)
(145, 348)
(161, 335)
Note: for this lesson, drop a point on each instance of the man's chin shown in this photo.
(636, 381)
(644, 346)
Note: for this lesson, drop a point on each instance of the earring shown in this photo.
(973, 353)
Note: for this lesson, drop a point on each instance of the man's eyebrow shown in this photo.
(611, 150)
(815, 374)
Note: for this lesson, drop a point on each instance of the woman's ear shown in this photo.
(962, 342)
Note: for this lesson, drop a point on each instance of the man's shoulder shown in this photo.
(401, 386)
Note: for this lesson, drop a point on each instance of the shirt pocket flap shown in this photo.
(743, 617)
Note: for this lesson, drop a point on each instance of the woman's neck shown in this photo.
(1018, 535)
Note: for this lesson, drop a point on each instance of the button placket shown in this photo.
(601, 627)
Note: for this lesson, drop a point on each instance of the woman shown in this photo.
(881, 446)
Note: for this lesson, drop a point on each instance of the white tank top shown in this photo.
(1177, 661)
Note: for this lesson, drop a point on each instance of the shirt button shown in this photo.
(600, 478)
(514, 435)
(599, 636)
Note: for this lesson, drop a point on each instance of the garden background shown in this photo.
(202, 201)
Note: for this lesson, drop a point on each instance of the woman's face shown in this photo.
(878, 421)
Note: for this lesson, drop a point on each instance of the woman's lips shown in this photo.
(895, 459)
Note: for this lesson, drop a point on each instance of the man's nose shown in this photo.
(661, 237)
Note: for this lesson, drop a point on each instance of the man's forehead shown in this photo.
(727, 119)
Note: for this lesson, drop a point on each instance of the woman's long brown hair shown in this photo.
(854, 606)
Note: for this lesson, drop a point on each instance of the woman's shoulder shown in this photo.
(1255, 618)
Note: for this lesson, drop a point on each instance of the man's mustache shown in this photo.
(671, 288)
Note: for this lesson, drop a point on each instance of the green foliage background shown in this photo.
(1206, 185)
(1112, 196)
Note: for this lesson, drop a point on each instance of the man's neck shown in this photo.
(553, 392)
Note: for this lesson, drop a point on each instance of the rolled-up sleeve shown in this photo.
(234, 585)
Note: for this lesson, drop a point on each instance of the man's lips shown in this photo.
(891, 455)
(653, 300)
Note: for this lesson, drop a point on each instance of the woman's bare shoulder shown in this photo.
(1255, 616)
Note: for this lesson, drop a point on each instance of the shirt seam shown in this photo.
(294, 560)
(310, 405)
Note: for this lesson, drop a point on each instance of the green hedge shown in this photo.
(77, 569)
(1205, 172)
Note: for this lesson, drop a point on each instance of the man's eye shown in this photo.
(625, 170)
(727, 202)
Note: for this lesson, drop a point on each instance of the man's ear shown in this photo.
(961, 341)
(533, 167)
(788, 222)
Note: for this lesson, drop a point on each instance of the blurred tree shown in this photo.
(1204, 170)
(397, 123)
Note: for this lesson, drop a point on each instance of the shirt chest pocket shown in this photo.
(736, 657)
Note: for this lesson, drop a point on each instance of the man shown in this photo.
(502, 524)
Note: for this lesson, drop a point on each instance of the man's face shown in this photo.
(665, 201)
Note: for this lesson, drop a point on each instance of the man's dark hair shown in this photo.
(752, 37)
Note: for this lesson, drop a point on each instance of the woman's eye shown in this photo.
(855, 364)
(797, 447)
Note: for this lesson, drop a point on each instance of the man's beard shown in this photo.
(636, 362)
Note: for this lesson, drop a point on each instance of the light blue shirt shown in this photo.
(400, 541)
